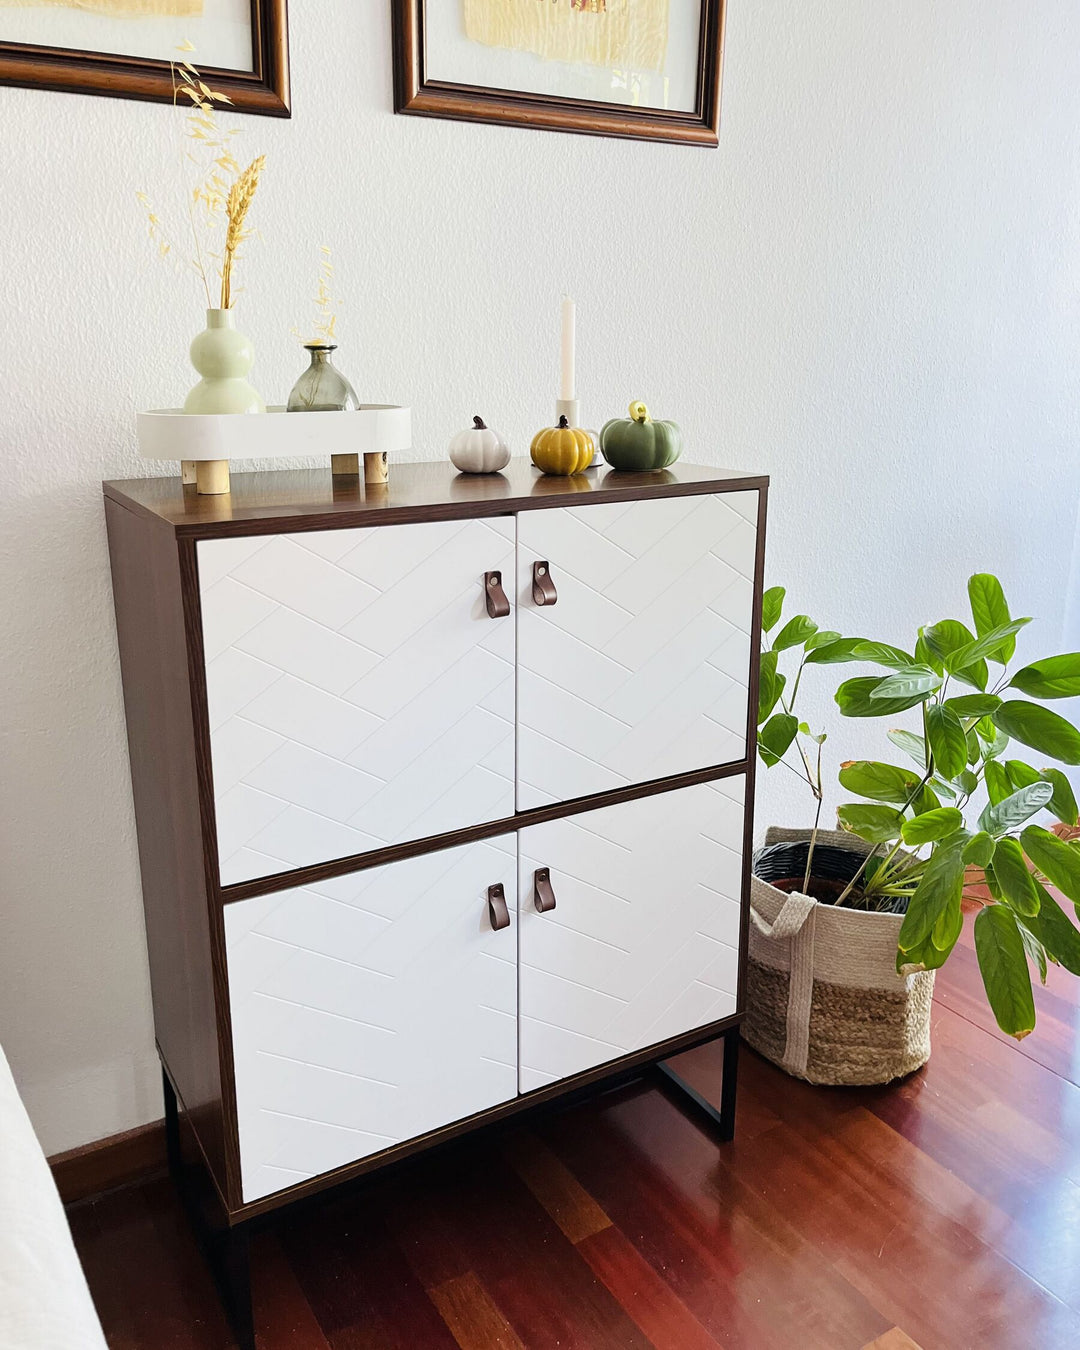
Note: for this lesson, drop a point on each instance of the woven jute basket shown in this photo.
(824, 1001)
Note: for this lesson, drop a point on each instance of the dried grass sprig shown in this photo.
(241, 195)
(212, 202)
(325, 304)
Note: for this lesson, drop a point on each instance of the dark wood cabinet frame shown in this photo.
(416, 94)
(264, 89)
(154, 526)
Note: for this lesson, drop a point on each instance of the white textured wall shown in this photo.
(869, 291)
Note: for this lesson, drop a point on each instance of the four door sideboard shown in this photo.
(443, 792)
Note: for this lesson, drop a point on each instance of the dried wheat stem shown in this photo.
(239, 202)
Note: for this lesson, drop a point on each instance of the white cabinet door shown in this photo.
(359, 694)
(643, 941)
(370, 1009)
(640, 668)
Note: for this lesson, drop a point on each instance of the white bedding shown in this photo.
(44, 1301)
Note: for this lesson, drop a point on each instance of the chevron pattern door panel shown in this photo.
(359, 694)
(640, 669)
(370, 1009)
(643, 941)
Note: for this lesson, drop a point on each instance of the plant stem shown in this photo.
(873, 852)
(814, 831)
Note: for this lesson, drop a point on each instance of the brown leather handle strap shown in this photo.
(544, 592)
(498, 912)
(498, 607)
(543, 895)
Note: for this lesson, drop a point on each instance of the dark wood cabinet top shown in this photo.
(312, 499)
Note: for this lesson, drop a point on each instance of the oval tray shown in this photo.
(169, 433)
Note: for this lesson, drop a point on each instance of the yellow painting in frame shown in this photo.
(611, 33)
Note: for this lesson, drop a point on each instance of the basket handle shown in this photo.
(794, 912)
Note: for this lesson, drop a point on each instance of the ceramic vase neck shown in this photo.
(220, 318)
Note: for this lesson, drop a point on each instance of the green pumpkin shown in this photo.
(638, 444)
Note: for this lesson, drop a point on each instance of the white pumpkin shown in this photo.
(479, 449)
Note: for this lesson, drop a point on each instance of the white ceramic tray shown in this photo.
(169, 433)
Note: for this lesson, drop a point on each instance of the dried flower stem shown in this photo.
(241, 195)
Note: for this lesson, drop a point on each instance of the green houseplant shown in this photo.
(958, 819)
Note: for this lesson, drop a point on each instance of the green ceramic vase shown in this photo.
(223, 357)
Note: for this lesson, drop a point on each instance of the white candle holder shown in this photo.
(570, 408)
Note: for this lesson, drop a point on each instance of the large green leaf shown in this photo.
(877, 824)
(913, 680)
(944, 640)
(1036, 952)
(925, 655)
(1063, 802)
(776, 736)
(979, 850)
(941, 884)
(989, 647)
(879, 782)
(967, 782)
(1040, 728)
(1052, 677)
(854, 699)
(932, 825)
(989, 610)
(948, 743)
(1055, 931)
(911, 745)
(1009, 814)
(1004, 968)
(948, 926)
(772, 602)
(946, 637)
(824, 637)
(882, 654)
(1020, 774)
(1016, 882)
(977, 676)
(1057, 859)
(998, 784)
(794, 632)
(926, 799)
(925, 956)
(973, 705)
(834, 653)
(768, 692)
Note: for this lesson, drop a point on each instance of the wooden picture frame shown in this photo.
(417, 93)
(264, 89)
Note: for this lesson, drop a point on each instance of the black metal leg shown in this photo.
(233, 1271)
(722, 1120)
(225, 1249)
(172, 1128)
(729, 1085)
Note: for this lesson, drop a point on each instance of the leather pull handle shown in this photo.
(543, 895)
(498, 607)
(544, 592)
(497, 910)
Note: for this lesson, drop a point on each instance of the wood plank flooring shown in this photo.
(937, 1214)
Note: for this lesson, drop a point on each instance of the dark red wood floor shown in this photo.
(943, 1212)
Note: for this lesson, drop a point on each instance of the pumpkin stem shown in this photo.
(639, 412)
(563, 423)
(479, 424)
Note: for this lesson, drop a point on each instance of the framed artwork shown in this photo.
(123, 48)
(648, 68)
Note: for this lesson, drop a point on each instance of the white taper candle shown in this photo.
(567, 387)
